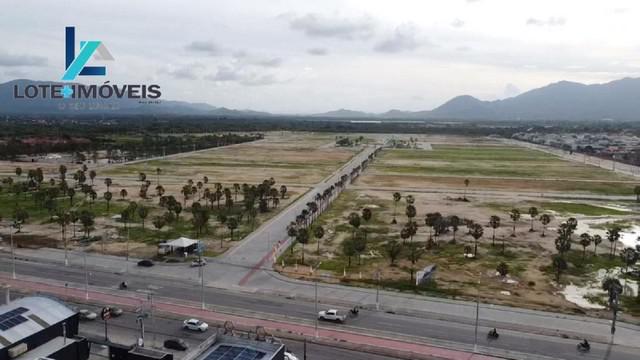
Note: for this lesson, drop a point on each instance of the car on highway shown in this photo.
(87, 315)
(176, 344)
(198, 262)
(195, 325)
(290, 356)
(331, 315)
(145, 263)
(115, 311)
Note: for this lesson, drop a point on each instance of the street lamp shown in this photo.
(378, 289)
(13, 225)
(475, 341)
(316, 296)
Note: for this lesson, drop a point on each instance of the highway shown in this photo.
(444, 331)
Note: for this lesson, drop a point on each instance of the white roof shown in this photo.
(49, 311)
(182, 242)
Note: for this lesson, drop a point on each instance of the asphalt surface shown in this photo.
(125, 330)
(446, 332)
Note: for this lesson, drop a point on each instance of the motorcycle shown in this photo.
(354, 312)
(123, 285)
(493, 334)
(584, 346)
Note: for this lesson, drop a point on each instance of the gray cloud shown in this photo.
(457, 23)
(7, 59)
(184, 72)
(552, 21)
(316, 25)
(242, 76)
(403, 39)
(318, 51)
(271, 62)
(206, 47)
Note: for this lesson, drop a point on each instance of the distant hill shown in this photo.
(564, 100)
(345, 114)
(9, 105)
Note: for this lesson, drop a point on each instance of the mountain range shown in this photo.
(564, 100)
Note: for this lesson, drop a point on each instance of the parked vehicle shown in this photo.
(145, 263)
(331, 315)
(87, 315)
(198, 262)
(176, 344)
(115, 311)
(195, 325)
(290, 356)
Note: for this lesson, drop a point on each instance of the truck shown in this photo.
(331, 315)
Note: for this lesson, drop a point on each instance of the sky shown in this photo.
(310, 56)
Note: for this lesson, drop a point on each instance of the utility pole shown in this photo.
(140, 320)
(204, 306)
(127, 254)
(378, 289)
(13, 251)
(86, 278)
(475, 341)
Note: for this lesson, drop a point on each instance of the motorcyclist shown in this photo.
(355, 310)
(493, 333)
(585, 344)
(123, 285)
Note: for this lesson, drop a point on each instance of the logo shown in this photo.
(76, 65)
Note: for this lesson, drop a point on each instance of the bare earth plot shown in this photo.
(296, 160)
(488, 165)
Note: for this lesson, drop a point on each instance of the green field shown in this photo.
(492, 167)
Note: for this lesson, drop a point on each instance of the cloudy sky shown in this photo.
(298, 56)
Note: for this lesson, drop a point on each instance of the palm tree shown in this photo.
(354, 220)
(123, 193)
(108, 196)
(393, 249)
(636, 190)
(143, 212)
(414, 255)
(283, 191)
(613, 235)
(502, 269)
(62, 170)
(533, 213)
(232, 224)
(366, 216)
(494, 221)
(597, 239)
(585, 241)
(236, 190)
(318, 233)
(409, 199)
(92, 176)
(466, 185)
(108, 182)
(410, 212)
(454, 222)
(476, 232)
(349, 249)
(629, 257)
(158, 171)
(64, 219)
(71, 193)
(303, 238)
(396, 199)
(18, 171)
(545, 219)
(515, 216)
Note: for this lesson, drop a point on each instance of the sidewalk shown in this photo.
(414, 350)
(272, 284)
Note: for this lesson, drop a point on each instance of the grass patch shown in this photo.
(580, 208)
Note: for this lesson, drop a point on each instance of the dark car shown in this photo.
(175, 344)
(145, 263)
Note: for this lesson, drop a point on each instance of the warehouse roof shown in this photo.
(24, 317)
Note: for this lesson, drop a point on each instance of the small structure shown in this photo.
(179, 246)
(235, 348)
(426, 274)
(39, 327)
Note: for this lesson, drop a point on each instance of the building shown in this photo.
(236, 348)
(35, 327)
(179, 246)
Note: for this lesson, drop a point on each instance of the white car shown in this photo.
(331, 315)
(197, 263)
(195, 325)
(87, 315)
(290, 356)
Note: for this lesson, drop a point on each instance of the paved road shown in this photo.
(456, 332)
(124, 330)
(256, 249)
